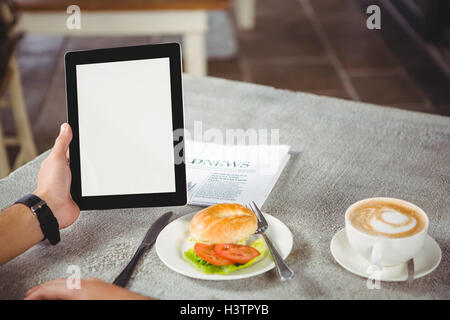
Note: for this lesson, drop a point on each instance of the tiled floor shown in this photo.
(316, 46)
(322, 47)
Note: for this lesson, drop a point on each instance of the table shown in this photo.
(123, 18)
(342, 152)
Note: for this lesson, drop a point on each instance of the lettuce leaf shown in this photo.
(206, 267)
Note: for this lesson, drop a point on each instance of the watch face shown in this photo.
(38, 205)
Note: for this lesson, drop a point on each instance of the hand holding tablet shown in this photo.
(124, 105)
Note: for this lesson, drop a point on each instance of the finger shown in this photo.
(62, 141)
(94, 279)
(32, 290)
(48, 293)
(56, 281)
(54, 290)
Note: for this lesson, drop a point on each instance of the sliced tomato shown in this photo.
(236, 252)
(206, 252)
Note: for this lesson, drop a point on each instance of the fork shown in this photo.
(283, 270)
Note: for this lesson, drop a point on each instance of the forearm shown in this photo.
(19, 231)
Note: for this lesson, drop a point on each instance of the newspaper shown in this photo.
(232, 173)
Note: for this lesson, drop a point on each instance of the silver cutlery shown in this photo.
(148, 241)
(283, 270)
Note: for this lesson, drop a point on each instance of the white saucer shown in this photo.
(424, 263)
(174, 241)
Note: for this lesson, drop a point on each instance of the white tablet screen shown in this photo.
(125, 127)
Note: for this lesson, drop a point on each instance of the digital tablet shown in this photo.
(125, 107)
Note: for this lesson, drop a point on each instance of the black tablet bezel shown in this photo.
(167, 50)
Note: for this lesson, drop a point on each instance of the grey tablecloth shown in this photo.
(342, 152)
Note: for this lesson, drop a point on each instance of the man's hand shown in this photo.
(90, 289)
(54, 180)
(19, 228)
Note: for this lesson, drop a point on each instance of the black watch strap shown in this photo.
(48, 222)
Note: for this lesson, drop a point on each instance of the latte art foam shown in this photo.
(387, 218)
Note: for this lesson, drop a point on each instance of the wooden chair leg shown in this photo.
(195, 54)
(4, 162)
(28, 149)
(245, 13)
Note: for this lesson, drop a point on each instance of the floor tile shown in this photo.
(328, 7)
(356, 46)
(386, 90)
(348, 26)
(225, 68)
(337, 93)
(291, 25)
(277, 8)
(358, 53)
(420, 107)
(260, 47)
(297, 76)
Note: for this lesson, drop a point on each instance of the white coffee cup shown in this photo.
(384, 251)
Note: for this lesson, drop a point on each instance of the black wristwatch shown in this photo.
(48, 222)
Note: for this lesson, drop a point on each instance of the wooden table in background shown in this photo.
(132, 17)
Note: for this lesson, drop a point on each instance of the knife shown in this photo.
(149, 239)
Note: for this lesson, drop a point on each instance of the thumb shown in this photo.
(62, 141)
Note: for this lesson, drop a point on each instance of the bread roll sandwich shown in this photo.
(221, 233)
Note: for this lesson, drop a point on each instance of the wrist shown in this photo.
(19, 231)
(47, 220)
(50, 203)
(31, 221)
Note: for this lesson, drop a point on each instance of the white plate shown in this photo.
(174, 241)
(424, 263)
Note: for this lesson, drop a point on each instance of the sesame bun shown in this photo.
(223, 223)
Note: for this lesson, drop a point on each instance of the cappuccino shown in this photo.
(389, 218)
